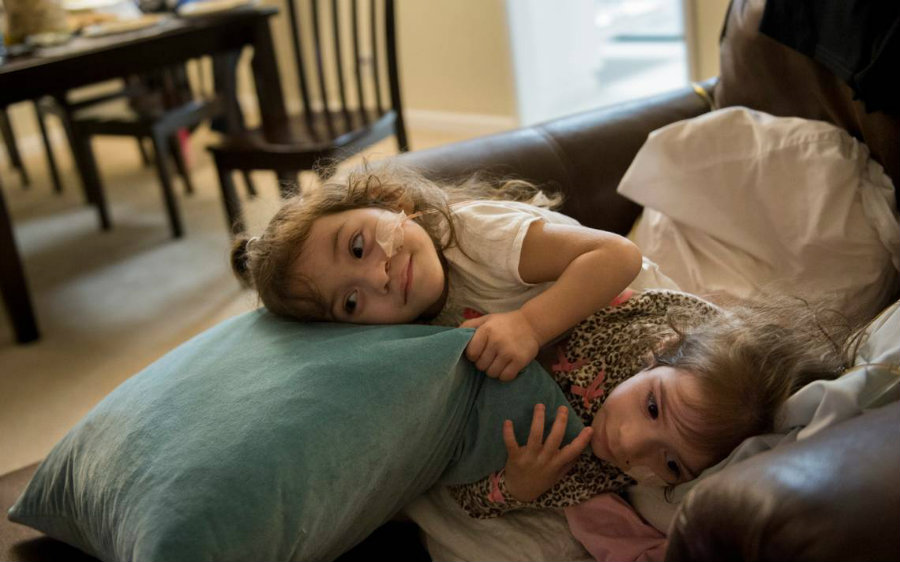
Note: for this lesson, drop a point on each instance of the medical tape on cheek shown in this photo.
(389, 231)
(644, 475)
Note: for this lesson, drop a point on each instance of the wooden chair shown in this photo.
(153, 106)
(346, 107)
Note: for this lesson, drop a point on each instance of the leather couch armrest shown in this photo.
(584, 155)
(833, 496)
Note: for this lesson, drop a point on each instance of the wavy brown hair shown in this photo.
(749, 359)
(265, 262)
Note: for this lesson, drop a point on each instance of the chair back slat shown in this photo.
(390, 39)
(298, 57)
(320, 67)
(357, 61)
(346, 62)
(336, 23)
(376, 71)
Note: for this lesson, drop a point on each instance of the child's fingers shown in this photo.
(510, 372)
(509, 438)
(558, 431)
(476, 347)
(536, 437)
(486, 362)
(497, 368)
(474, 322)
(571, 452)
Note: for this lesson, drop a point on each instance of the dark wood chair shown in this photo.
(345, 107)
(154, 106)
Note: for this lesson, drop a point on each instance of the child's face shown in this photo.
(357, 280)
(638, 425)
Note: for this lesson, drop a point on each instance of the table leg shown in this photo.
(12, 282)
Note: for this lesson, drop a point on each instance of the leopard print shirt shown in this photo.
(602, 351)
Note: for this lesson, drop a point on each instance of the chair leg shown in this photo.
(234, 216)
(12, 148)
(48, 148)
(248, 181)
(76, 146)
(288, 184)
(400, 133)
(142, 148)
(160, 150)
(90, 175)
(180, 163)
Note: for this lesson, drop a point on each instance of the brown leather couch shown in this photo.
(832, 497)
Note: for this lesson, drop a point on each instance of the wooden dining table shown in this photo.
(88, 60)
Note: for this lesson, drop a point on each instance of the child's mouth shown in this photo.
(409, 275)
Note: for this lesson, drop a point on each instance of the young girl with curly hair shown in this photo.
(387, 246)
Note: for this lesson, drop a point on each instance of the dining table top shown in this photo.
(86, 60)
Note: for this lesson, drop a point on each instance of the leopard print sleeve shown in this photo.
(489, 497)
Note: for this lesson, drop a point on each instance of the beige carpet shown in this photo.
(110, 303)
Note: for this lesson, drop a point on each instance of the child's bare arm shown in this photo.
(589, 269)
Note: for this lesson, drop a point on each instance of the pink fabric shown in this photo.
(563, 365)
(592, 392)
(611, 530)
(496, 495)
(622, 297)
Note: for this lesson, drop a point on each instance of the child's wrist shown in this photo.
(532, 320)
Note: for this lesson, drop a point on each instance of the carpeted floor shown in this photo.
(110, 303)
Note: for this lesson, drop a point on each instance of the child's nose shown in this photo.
(378, 275)
(635, 445)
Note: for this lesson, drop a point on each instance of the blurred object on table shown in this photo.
(42, 21)
(197, 8)
(94, 18)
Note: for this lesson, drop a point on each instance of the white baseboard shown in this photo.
(429, 120)
(452, 122)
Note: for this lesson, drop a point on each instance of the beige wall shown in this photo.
(455, 56)
(703, 23)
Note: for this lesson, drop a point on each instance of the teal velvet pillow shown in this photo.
(266, 439)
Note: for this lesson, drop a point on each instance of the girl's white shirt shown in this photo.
(483, 267)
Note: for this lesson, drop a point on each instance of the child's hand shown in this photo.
(533, 469)
(503, 344)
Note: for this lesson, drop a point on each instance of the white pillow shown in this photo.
(742, 202)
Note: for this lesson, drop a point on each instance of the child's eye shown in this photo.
(356, 246)
(350, 303)
(652, 407)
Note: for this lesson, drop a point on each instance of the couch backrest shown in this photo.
(762, 73)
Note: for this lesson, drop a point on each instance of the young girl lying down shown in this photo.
(387, 246)
(667, 385)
